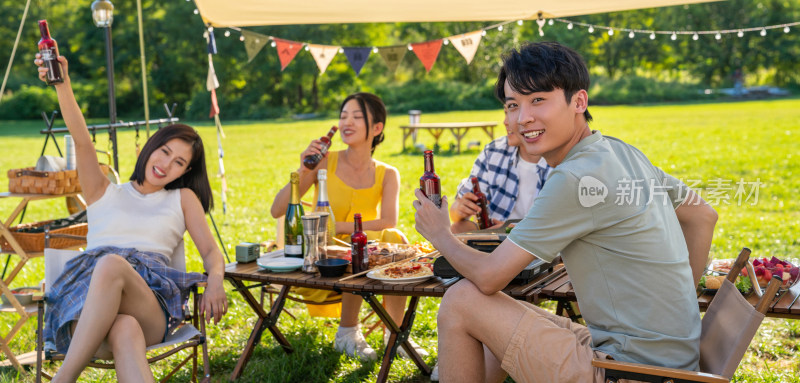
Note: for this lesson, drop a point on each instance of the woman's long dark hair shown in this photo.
(368, 101)
(195, 177)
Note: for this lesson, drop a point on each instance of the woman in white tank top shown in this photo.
(121, 296)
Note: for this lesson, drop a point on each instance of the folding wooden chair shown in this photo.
(191, 334)
(728, 327)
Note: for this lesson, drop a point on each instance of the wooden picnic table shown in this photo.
(458, 129)
(559, 289)
(239, 274)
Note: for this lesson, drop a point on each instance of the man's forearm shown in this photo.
(697, 223)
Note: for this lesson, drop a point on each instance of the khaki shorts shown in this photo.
(550, 348)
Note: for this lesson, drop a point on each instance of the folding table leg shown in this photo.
(265, 321)
(398, 335)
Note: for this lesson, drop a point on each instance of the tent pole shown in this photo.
(144, 67)
(14, 50)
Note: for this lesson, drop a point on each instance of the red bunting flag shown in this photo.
(427, 52)
(214, 105)
(287, 49)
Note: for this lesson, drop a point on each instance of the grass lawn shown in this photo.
(717, 147)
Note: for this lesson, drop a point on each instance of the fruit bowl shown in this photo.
(23, 294)
(765, 268)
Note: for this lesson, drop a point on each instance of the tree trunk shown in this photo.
(315, 94)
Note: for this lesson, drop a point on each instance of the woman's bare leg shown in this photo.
(351, 305)
(127, 342)
(115, 289)
(396, 306)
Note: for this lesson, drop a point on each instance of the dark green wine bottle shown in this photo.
(292, 224)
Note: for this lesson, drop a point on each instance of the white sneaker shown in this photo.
(435, 373)
(350, 341)
(402, 351)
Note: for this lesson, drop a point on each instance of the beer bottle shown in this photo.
(311, 161)
(49, 52)
(483, 216)
(429, 182)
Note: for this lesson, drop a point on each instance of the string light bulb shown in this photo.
(652, 35)
(374, 49)
(483, 32)
(241, 38)
(307, 48)
(718, 36)
(500, 28)
(227, 33)
(591, 29)
(341, 50)
(740, 33)
(569, 26)
(519, 22)
(196, 12)
(673, 37)
(412, 48)
(631, 34)
(274, 44)
(611, 32)
(550, 22)
(786, 29)
(695, 36)
(763, 32)
(445, 42)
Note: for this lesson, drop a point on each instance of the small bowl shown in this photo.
(23, 294)
(332, 267)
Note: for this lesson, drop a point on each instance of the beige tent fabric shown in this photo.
(240, 13)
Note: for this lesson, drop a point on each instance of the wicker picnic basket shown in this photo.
(34, 242)
(30, 181)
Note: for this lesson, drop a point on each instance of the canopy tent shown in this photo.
(242, 13)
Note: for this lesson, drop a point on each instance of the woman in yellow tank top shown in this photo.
(357, 183)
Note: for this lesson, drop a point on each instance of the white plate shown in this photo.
(281, 264)
(396, 281)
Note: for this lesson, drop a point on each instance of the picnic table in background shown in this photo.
(458, 129)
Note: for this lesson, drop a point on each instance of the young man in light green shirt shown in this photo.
(633, 260)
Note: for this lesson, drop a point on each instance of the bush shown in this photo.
(27, 103)
(638, 90)
(437, 96)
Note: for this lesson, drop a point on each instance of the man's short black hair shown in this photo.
(543, 67)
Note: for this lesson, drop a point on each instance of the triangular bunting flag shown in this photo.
(253, 42)
(214, 104)
(323, 54)
(211, 81)
(287, 49)
(357, 56)
(467, 44)
(427, 52)
(393, 55)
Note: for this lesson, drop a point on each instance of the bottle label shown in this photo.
(48, 54)
(324, 149)
(436, 198)
(290, 250)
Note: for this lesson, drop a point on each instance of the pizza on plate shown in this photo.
(406, 270)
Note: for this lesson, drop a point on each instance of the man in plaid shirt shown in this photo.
(502, 170)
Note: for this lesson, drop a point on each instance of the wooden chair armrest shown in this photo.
(635, 368)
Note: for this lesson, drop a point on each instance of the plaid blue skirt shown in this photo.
(65, 299)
